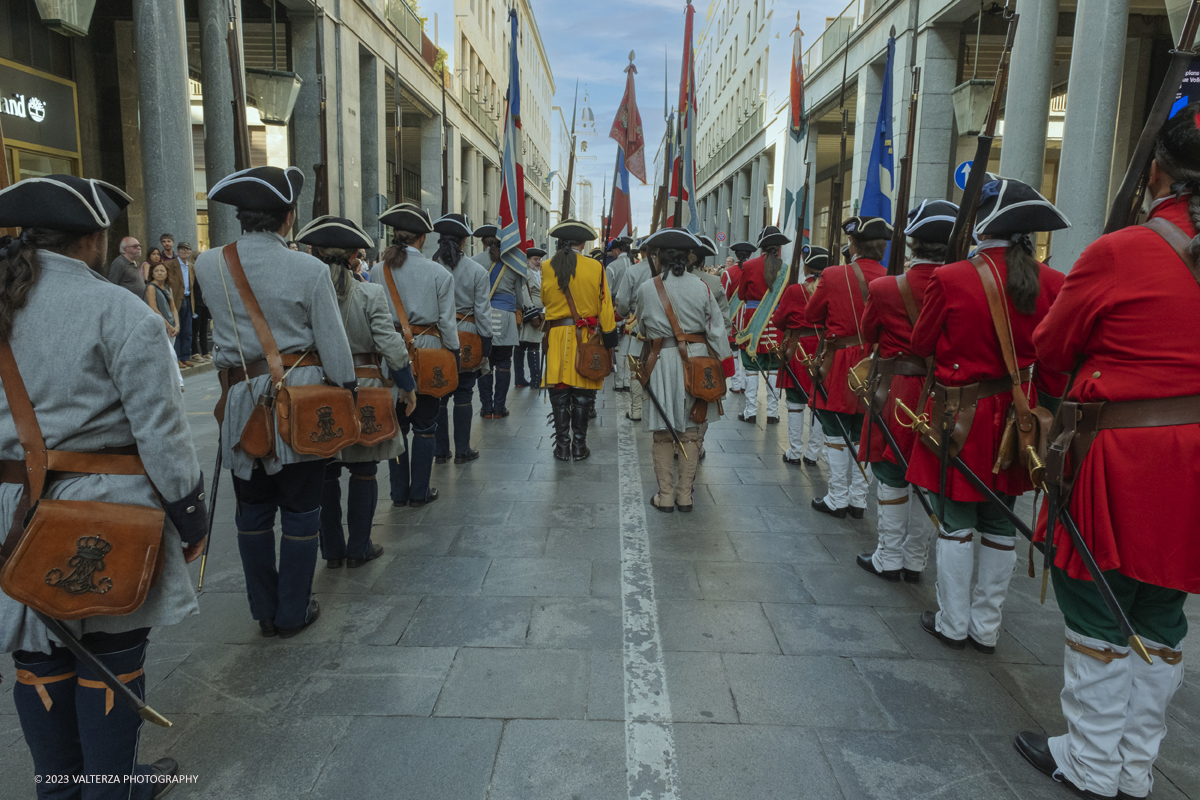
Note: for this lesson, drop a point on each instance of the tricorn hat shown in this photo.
(845, 252)
(815, 258)
(674, 238)
(742, 247)
(259, 188)
(932, 221)
(486, 231)
(1008, 206)
(709, 247)
(535, 252)
(61, 202)
(408, 217)
(572, 230)
(771, 236)
(867, 228)
(336, 232)
(453, 225)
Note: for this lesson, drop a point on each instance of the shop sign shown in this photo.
(37, 109)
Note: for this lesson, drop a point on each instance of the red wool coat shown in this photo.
(729, 282)
(751, 288)
(837, 305)
(789, 316)
(1129, 307)
(956, 327)
(885, 322)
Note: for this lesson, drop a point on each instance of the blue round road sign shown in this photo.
(720, 236)
(961, 174)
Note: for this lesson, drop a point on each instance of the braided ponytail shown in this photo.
(564, 262)
(449, 251)
(396, 254)
(20, 268)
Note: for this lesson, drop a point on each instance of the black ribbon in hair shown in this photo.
(1022, 240)
(12, 244)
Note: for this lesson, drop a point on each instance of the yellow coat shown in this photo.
(589, 289)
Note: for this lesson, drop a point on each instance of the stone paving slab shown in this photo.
(509, 684)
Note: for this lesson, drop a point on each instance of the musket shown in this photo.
(212, 510)
(320, 203)
(446, 148)
(634, 367)
(837, 190)
(960, 236)
(825, 396)
(398, 175)
(111, 682)
(900, 216)
(566, 201)
(241, 127)
(1128, 200)
(607, 228)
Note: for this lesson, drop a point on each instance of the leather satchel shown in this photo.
(71, 559)
(434, 368)
(592, 359)
(1026, 430)
(703, 376)
(470, 346)
(315, 420)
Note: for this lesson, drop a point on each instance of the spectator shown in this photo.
(124, 269)
(160, 298)
(201, 322)
(152, 258)
(179, 273)
(293, 246)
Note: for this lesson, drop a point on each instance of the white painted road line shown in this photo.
(651, 766)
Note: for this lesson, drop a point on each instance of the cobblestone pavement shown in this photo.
(491, 652)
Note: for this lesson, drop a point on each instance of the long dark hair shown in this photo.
(1023, 283)
(397, 253)
(772, 263)
(20, 268)
(928, 251)
(449, 250)
(339, 268)
(564, 263)
(673, 259)
(1177, 151)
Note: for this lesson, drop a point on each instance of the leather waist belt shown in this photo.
(910, 366)
(804, 333)
(954, 406)
(832, 345)
(426, 330)
(368, 365)
(259, 368)
(465, 318)
(988, 388)
(1160, 412)
(673, 341)
(565, 322)
(107, 461)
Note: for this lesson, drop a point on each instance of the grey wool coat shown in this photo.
(616, 272)
(504, 323)
(634, 277)
(426, 289)
(714, 285)
(471, 297)
(532, 334)
(99, 372)
(697, 312)
(369, 329)
(297, 299)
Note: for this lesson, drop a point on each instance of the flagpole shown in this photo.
(684, 108)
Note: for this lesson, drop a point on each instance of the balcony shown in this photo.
(400, 14)
(748, 130)
(477, 112)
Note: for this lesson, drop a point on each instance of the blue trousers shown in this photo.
(462, 418)
(183, 341)
(362, 496)
(409, 473)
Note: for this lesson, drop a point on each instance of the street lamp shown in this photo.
(68, 17)
(274, 92)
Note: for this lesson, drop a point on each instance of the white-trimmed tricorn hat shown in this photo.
(259, 188)
(709, 246)
(335, 232)
(572, 230)
(486, 231)
(61, 202)
(408, 217)
(932, 221)
(673, 238)
(453, 225)
(743, 247)
(771, 236)
(535, 252)
(1007, 206)
(815, 258)
(868, 228)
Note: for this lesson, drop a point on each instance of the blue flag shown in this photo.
(879, 190)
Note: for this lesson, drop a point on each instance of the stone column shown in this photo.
(741, 193)
(723, 217)
(168, 165)
(937, 55)
(306, 133)
(1027, 109)
(477, 188)
(757, 205)
(216, 77)
(491, 198)
(1092, 98)
(369, 129)
(870, 91)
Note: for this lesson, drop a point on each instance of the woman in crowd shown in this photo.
(153, 257)
(530, 348)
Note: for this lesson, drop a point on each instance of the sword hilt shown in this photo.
(150, 715)
(1135, 642)
(1037, 467)
(919, 422)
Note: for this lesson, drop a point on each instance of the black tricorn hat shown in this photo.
(771, 236)
(61, 202)
(709, 246)
(932, 221)
(845, 252)
(453, 225)
(674, 238)
(1008, 206)
(535, 252)
(572, 230)
(815, 258)
(484, 231)
(335, 232)
(408, 217)
(742, 247)
(867, 228)
(259, 188)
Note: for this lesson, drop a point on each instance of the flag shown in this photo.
(627, 130)
(512, 187)
(683, 173)
(620, 215)
(879, 191)
(794, 187)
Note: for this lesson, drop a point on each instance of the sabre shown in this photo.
(634, 366)
(920, 492)
(825, 396)
(212, 512)
(120, 691)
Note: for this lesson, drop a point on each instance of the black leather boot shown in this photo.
(582, 406)
(560, 414)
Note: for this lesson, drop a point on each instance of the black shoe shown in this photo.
(795, 461)
(819, 505)
(470, 455)
(684, 509)
(520, 385)
(501, 414)
(929, 625)
(857, 512)
(743, 418)
(314, 612)
(333, 563)
(664, 509)
(986, 649)
(486, 413)
(268, 628)
(429, 498)
(399, 503)
(911, 575)
(772, 420)
(441, 459)
(583, 408)
(890, 575)
(1035, 748)
(163, 767)
(376, 552)
(632, 419)
(809, 462)
(560, 415)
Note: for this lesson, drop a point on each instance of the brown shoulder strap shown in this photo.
(263, 331)
(1179, 241)
(910, 302)
(862, 281)
(28, 431)
(405, 328)
(670, 309)
(1008, 348)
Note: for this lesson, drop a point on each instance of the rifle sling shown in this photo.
(999, 312)
(263, 331)
(906, 296)
(405, 327)
(1179, 241)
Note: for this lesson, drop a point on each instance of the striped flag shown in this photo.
(512, 188)
(794, 156)
(683, 174)
(627, 129)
